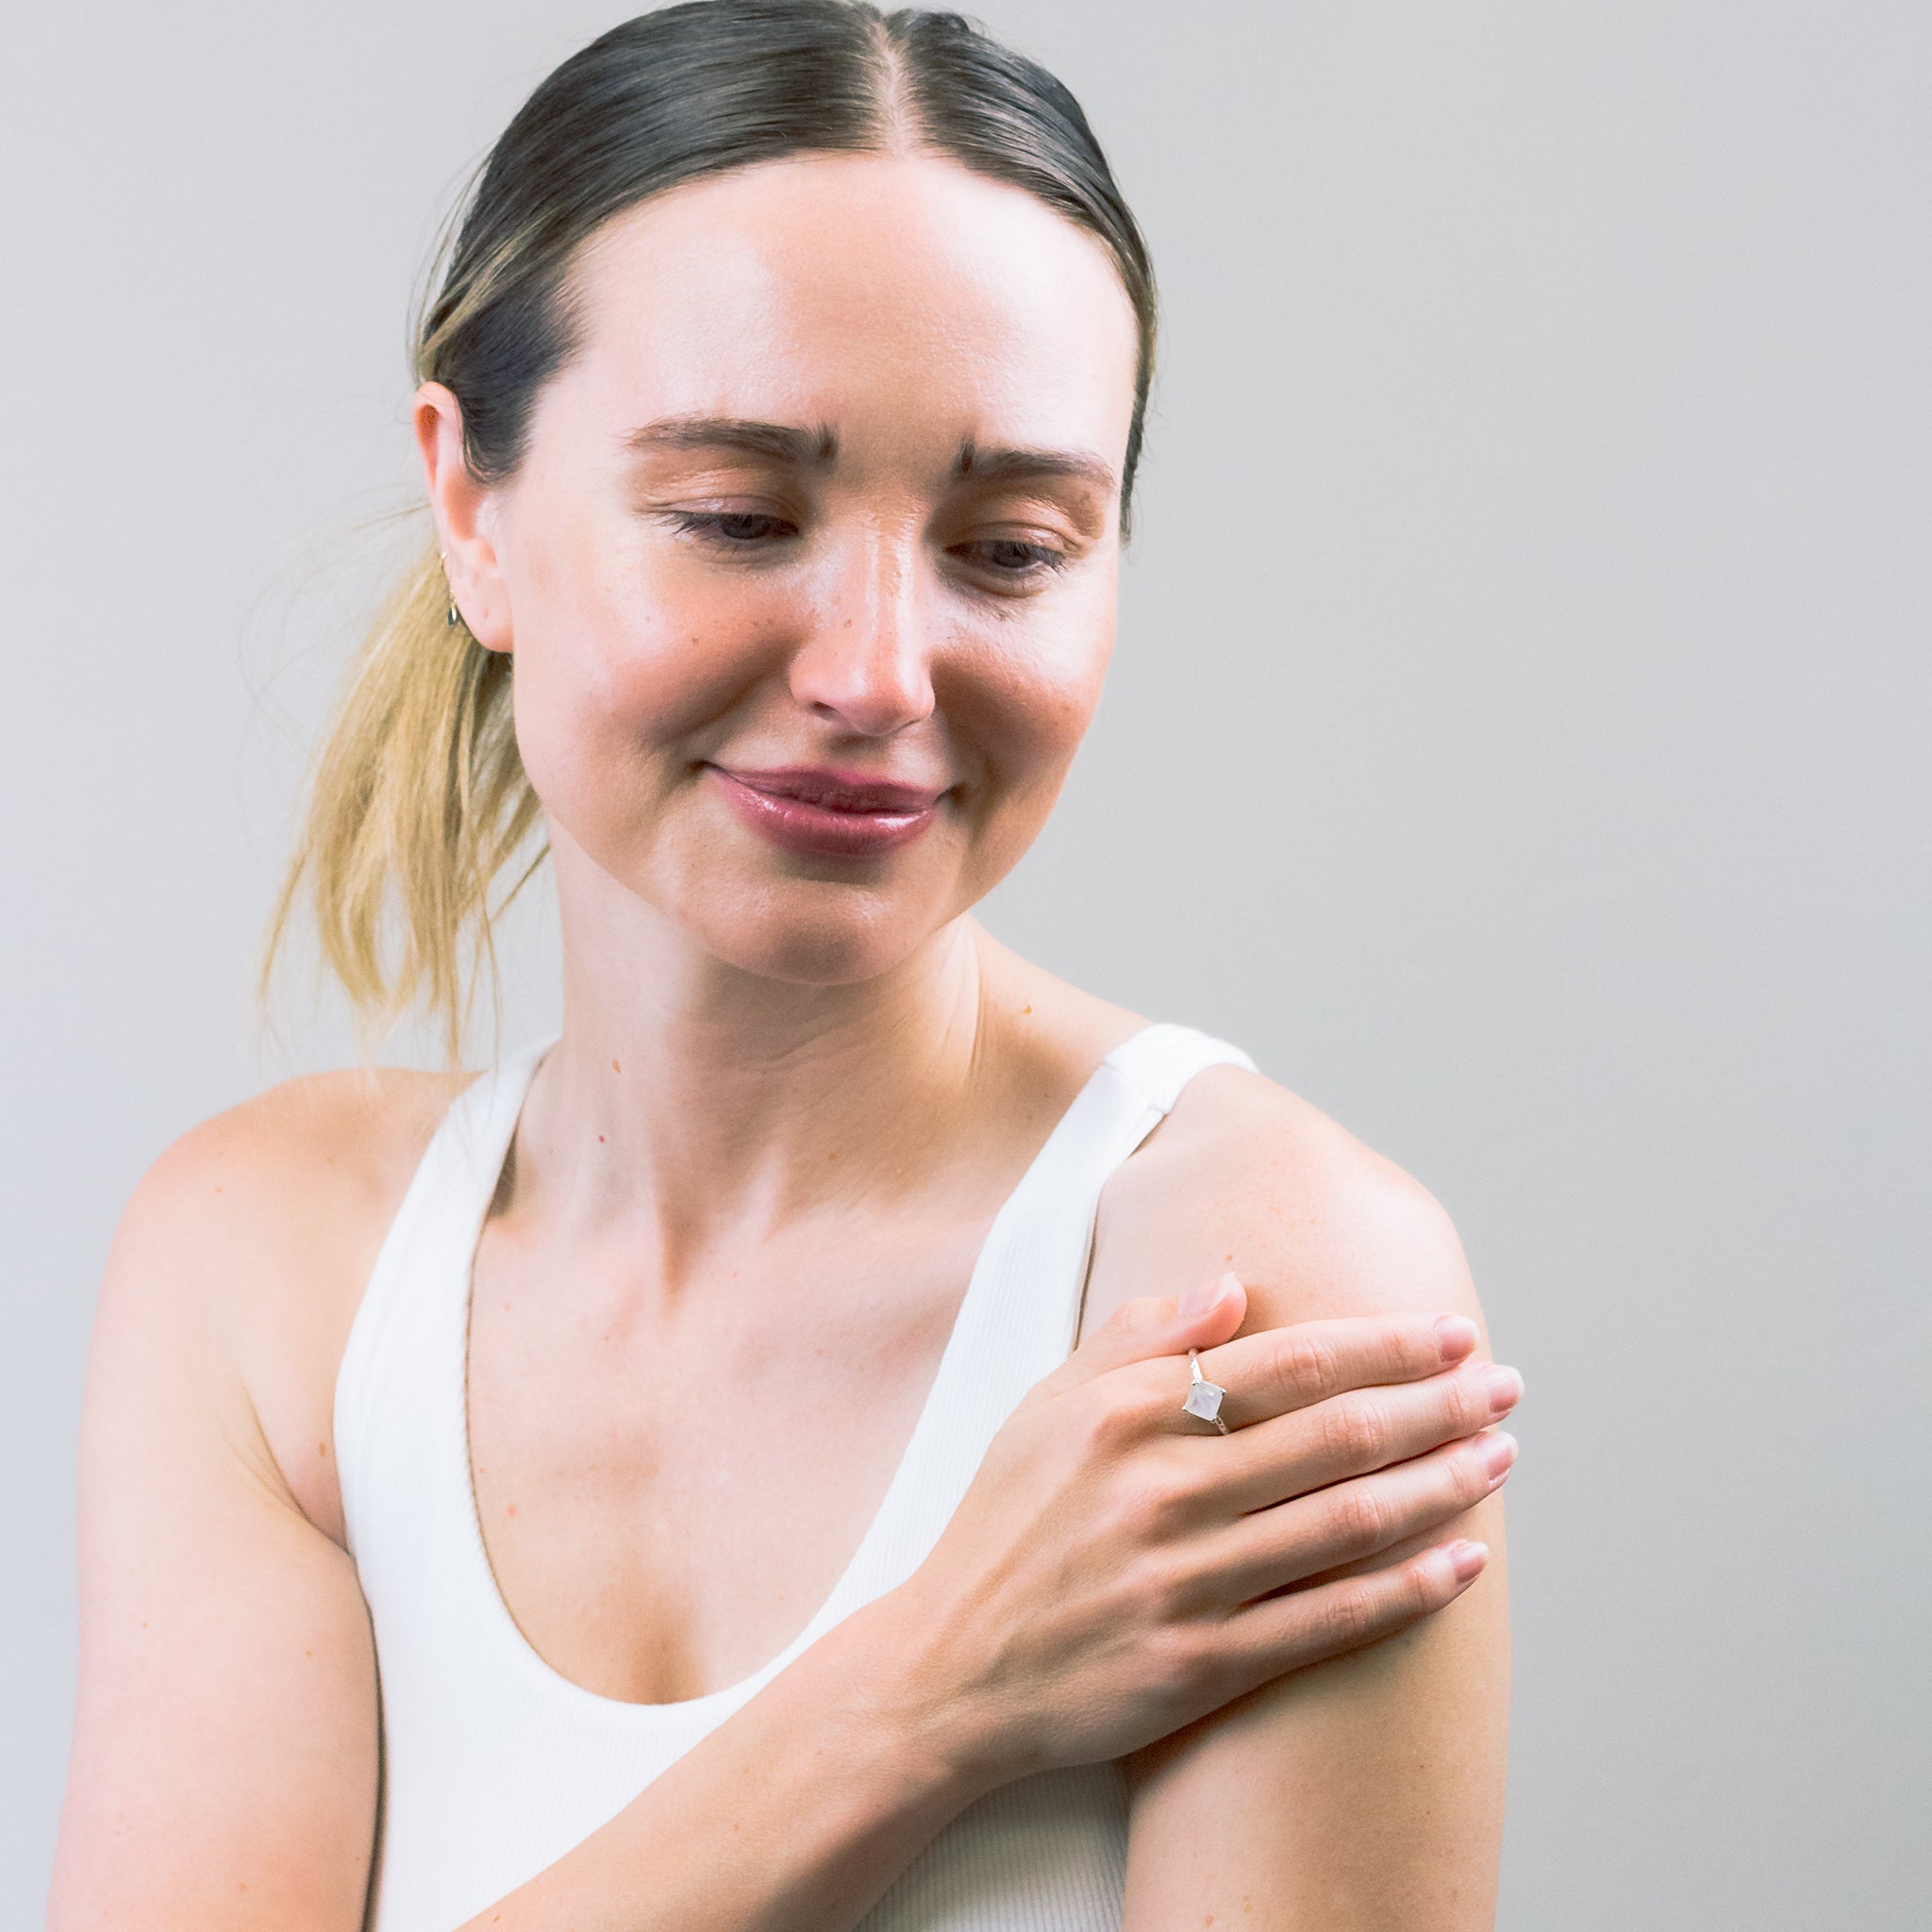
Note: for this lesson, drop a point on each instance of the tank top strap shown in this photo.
(1161, 1060)
(1021, 1313)
(415, 1305)
(1049, 1230)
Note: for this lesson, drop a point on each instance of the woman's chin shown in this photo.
(843, 943)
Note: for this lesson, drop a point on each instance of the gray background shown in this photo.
(1517, 740)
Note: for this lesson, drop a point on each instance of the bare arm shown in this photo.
(224, 1771)
(1362, 1794)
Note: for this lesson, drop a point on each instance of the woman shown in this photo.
(656, 1484)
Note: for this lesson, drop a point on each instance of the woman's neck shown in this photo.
(692, 1106)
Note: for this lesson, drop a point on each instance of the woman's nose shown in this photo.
(865, 664)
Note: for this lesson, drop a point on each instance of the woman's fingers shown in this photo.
(1117, 1568)
(1281, 1634)
(1351, 1433)
(1156, 1326)
(1272, 1549)
(1277, 1370)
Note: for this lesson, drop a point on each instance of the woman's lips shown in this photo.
(828, 814)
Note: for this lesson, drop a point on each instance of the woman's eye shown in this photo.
(1012, 557)
(735, 530)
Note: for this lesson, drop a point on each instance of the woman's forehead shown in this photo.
(827, 288)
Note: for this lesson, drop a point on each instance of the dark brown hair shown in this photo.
(714, 85)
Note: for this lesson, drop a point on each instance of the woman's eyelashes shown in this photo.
(1020, 561)
(734, 530)
(1005, 561)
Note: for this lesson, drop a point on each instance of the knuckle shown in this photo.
(1349, 1619)
(1177, 1657)
(1098, 1436)
(1471, 1408)
(1306, 1366)
(1114, 1420)
(1352, 1431)
(1158, 1390)
(1141, 1402)
(1472, 1480)
(1427, 1591)
(1130, 1328)
(1462, 1488)
(1143, 1315)
(1155, 1505)
(1402, 1353)
(1360, 1519)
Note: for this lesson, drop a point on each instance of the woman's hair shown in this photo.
(419, 800)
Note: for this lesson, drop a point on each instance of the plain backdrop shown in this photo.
(1518, 741)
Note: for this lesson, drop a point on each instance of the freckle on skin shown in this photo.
(614, 1066)
(509, 1509)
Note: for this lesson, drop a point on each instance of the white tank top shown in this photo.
(494, 1765)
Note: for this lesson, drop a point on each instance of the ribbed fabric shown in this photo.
(494, 1765)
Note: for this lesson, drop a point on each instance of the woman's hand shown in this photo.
(1119, 1569)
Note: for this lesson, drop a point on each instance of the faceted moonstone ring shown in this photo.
(1204, 1397)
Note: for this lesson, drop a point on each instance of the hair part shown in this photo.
(419, 800)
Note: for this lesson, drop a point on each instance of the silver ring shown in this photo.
(1204, 1397)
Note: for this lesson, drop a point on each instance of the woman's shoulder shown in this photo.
(1243, 1175)
(312, 1152)
(243, 1251)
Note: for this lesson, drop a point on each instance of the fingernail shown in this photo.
(1465, 1558)
(1499, 1454)
(1505, 1387)
(1197, 1301)
(1454, 1337)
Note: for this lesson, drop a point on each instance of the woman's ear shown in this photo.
(464, 517)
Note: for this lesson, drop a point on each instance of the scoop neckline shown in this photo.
(506, 1100)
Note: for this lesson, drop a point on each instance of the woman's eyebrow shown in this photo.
(1023, 465)
(817, 448)
(775, 442)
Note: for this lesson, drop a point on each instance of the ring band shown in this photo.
(1204, 1397)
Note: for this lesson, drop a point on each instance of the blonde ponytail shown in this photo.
(418, 803)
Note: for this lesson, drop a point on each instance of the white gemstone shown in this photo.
(1204, 1399)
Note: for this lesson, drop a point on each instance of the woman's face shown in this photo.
(809, 568)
